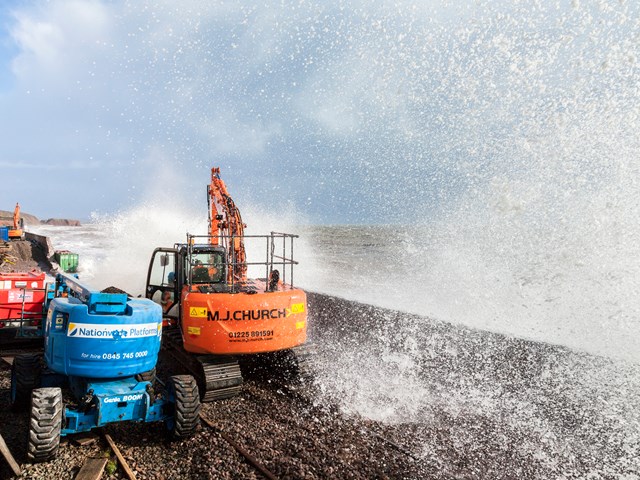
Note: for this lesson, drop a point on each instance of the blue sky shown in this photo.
(348, 112)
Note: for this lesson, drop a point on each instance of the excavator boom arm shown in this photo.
(226, 227)
(16, 217)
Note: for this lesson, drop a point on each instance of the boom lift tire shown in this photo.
(45, 424)
(25, 376)
(183, 392)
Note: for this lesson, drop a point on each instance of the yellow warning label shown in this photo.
(300, 325)
(295, 308)
(193, 330)
(198, 312)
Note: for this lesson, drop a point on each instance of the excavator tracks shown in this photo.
(302, 359)
(221, 377)
(218, 377)
(295, 365)
(290, 370)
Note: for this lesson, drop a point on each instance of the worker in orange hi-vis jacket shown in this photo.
(16, 217)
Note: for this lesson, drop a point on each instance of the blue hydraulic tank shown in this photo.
(119, 338)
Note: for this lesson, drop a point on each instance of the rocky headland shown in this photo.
(6, 218)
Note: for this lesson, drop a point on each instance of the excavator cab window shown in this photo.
(207, 267)
(162, 270)
(162, 282)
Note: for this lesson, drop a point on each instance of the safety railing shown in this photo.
(278, 256)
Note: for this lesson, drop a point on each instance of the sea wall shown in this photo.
(44, 242)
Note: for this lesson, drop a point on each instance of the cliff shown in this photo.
(6, 218)
(62, 222)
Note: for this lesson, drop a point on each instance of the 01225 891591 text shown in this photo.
(247, 335)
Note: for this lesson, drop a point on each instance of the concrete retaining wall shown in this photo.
(43, 241)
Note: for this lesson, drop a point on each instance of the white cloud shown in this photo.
(230, 135)
(54, 38)
(73, 165)
(40, 43)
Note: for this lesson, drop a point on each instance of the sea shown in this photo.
(580, 292)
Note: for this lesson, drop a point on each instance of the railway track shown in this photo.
(92, 473)
(93, 468)
(16, 346)
(259, 466)
(280, 441)
(253, 461)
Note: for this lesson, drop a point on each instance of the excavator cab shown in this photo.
(205, 266)
(192, 268)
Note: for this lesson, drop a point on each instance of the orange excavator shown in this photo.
(216, 318)
(16, 233)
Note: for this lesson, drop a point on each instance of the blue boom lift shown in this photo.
(102, 348)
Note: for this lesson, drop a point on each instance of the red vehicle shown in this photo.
(22, 299)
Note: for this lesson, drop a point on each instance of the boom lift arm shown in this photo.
(96, 302)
